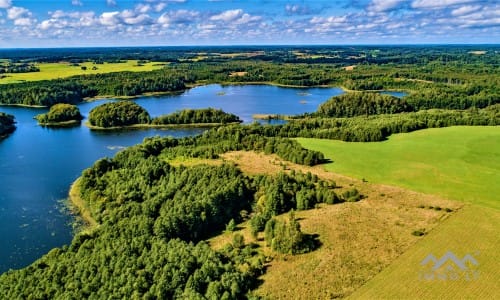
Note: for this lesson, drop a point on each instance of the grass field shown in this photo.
(358, 239)
(459, 163)
(473, 230)
(64, 69)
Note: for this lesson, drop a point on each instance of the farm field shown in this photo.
(50, 71)
(473, 230)
(460, 163)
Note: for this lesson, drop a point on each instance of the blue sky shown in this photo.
(70, 23)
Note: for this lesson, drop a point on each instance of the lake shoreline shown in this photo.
(70, 123)
(159, 126)
(79, 206)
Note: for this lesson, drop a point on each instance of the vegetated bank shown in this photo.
(6, 124)
(60, 115)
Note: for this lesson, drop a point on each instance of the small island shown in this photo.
(6, 124)
(118, 114)
(60, 115)
(127, 114)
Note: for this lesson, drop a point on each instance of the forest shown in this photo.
(200, 116)
(153, 218)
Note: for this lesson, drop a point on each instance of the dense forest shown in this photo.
(60, 113)
(153, 218)
(118, 114)
(192, 116)
(6, 124)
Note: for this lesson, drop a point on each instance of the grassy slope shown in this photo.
(63, 69)
(460, 163)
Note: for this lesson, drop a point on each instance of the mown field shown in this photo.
(50, 71)
(473, 230)
(460, 163)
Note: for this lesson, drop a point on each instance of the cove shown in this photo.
(38, 164)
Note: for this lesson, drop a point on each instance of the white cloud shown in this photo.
(76, 2)
(438, 4)
(384, 5)
(296, 9)
(5, 3)
(111, 2)
(126, 17)
(143, 8)
(18, 12)
(24, 22)
(466, 9)
(228, 15)
(160, 6)
(178, 17)
(110, 18)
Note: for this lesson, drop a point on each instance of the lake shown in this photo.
(38, 165)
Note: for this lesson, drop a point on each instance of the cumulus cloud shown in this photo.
(228, 15)
(5, 3)
(181, 16)
(438, 4)
(111, 2)
(385, 5)
(296, 9)
(126, 17)
(235, 17)
(466, 9)
(76, 2)
(18, 12)
(24, 22)
(143, 8)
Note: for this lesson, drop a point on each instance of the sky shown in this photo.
(78, 23)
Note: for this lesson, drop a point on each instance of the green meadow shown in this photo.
(50, 71)
(459, 163)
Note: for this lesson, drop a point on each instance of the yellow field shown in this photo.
(64, 69)
(473, 230)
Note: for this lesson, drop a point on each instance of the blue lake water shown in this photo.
(38, 165)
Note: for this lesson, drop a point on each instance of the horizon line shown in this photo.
(255, 45)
